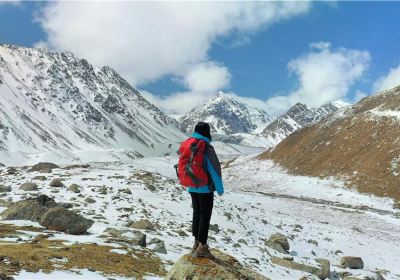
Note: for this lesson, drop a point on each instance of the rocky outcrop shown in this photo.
(321, 269)
(224, 267)
(49, 214)
(61, 219)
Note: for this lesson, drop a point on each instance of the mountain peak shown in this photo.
(226, 115)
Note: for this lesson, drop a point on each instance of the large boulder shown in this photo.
(352, 262)
(46, 167)
(48, 213)
(224, 267)
(61, 219)
(321, 268)
(31, 209)
(278, 242)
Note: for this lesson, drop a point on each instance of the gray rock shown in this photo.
(103, 190)
(4, 189)
(61, 219)
(127, 191)
(57, 183)
(142, 224)
(12, 171)
(43, 167)
(278, 242)
(74, 188)
(214, 228)
(90, 200)
(160, 248)
(31, 209)
(351, 262)
(322, 271)
(29, 187)
(40, 178)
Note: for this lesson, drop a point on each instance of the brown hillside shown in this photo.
(361, 144)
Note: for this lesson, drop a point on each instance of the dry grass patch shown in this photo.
(52, 255)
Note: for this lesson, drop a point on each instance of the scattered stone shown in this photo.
(214, 228)
(40, 178)
(61, 219)
(12, 170)
(127, 191)
(312, 241)
(160, 248)
(57, 183)
(337, 252)
(224, 267)
(322, 271)
(29, 187)
(44, 167)
(278, 242)
(74, 188)
(351, 262)
(4, 189)
(90, 200)
(242, 241)
(141, 224)
(103, 190)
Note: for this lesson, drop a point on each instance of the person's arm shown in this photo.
(214, 168)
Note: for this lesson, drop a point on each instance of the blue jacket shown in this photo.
(213, 167)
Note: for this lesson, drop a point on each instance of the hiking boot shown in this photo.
(203, 252)
(195, 245)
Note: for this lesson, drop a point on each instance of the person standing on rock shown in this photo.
(199, 170)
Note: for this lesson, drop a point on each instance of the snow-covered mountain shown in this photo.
(226, 115)
(298, 116)
(58, 104)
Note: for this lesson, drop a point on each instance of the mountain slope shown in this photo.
(57, 103)
(360, 144)
(298, 116)
(226, 115)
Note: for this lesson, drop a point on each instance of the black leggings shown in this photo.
(202, 210)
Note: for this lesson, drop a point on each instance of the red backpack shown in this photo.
(191, 171)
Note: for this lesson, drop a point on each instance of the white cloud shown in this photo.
(207, 78)
(147, 40)
(392, 79)
(324, 75)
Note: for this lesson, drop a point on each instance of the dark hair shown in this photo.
(203, 128)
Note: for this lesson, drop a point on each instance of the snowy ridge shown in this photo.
(226, 115)
(57, 105)
(298, 116)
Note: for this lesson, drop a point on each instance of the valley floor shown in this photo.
(320, 217)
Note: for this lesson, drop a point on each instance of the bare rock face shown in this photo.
(61, 219)
(224, 267)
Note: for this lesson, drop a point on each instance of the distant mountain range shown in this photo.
(236, 122)
(55, 104)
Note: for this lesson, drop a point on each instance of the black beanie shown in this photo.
(203, 128)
